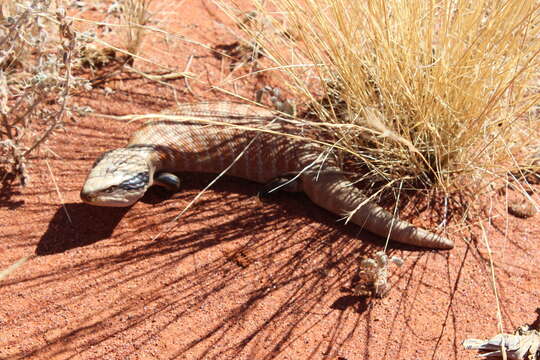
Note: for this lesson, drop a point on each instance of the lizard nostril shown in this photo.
(85, 196)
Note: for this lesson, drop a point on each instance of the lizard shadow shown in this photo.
(83, 226)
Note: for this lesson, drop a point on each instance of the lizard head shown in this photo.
(118, 178)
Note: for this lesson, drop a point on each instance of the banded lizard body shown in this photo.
(120, 177)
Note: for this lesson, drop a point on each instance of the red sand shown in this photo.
(103, 285)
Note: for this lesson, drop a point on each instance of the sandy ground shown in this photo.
(234, 278)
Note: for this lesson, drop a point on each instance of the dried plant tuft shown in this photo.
(38, 49)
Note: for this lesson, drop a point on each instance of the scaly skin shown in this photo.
(190, 146)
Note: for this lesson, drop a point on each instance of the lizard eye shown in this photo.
(110, 189)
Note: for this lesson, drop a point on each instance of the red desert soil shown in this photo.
(106, 285)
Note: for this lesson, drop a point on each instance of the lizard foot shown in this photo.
(167, 180)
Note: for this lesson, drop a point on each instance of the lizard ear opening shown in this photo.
(167, 180)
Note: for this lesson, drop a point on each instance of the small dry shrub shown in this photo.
(38, 50)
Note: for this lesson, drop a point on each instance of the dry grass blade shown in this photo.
(4, 273)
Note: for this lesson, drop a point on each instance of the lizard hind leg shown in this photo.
(288, 182)
(167, 180)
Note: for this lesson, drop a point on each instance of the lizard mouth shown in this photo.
(110, 200)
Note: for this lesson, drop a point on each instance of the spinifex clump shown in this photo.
(423, 93)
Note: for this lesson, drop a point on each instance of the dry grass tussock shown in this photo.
(421, 94)
(130, 17)
(135, 15)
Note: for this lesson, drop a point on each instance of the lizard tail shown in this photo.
(335, 193)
